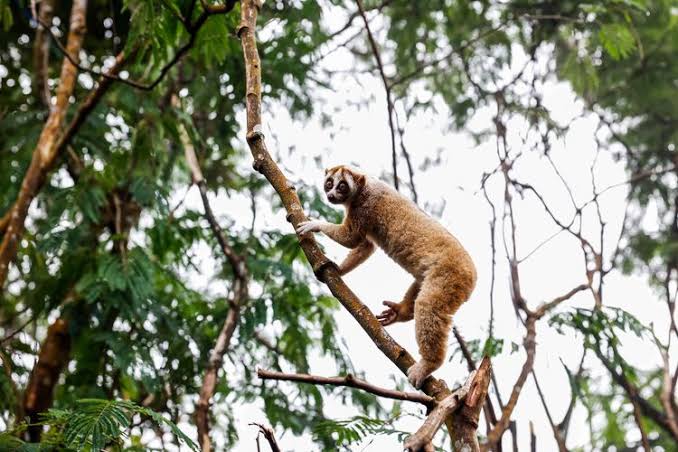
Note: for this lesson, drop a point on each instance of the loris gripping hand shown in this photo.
(310, 226)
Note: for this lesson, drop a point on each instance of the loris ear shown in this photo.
(359, 180)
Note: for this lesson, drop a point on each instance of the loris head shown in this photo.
(342, 184)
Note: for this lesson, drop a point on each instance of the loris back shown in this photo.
(407, 235)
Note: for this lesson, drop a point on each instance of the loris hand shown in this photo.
(391, 315)
(309, 226)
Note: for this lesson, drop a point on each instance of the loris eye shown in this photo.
(342, 187)
(328, 185)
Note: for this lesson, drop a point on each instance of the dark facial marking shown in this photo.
(328, 185)
(342, 187)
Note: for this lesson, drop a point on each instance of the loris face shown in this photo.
(341, 184)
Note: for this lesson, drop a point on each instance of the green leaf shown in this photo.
(617, 40)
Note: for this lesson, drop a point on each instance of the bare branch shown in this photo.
(489, 408)
(408, 160)
(269, 435)
(240, 295)
(546, 307)
(468, 400)
(557, 433)
(387, 88)
(502, 424)
(421, 440)
(349, 381)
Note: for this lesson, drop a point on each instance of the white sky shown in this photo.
(361, 136)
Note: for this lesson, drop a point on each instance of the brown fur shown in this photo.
(444, 272)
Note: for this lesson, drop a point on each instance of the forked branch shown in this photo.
(465, 403)
(269, 435)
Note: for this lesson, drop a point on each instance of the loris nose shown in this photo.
(331, 198)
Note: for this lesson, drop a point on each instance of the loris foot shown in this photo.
(418, 373)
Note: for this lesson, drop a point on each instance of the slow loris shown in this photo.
(444, 274)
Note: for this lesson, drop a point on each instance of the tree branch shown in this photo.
(530, 348)
(557, 433)
(4, 221)
(546, 307)
(41, 54)
(468, 400)
(240, 296)
(389, 101)
(44, 152)
(269, 435)
(53, 357)
(633, 394)
(348, 381)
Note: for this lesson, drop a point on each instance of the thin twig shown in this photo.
(387, 88)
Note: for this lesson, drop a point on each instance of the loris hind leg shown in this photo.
(437, 301)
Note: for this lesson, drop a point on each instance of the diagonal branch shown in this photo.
(44, 152)
(557, 433)
(325, 270)
(37, 174)
(546, 307)
(633, 393)
(4, 221)
(348, 381)
(502, 424)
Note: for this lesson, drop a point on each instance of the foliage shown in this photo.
(355, 430)
(94, 424)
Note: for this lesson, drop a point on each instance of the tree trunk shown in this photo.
(53, 357)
